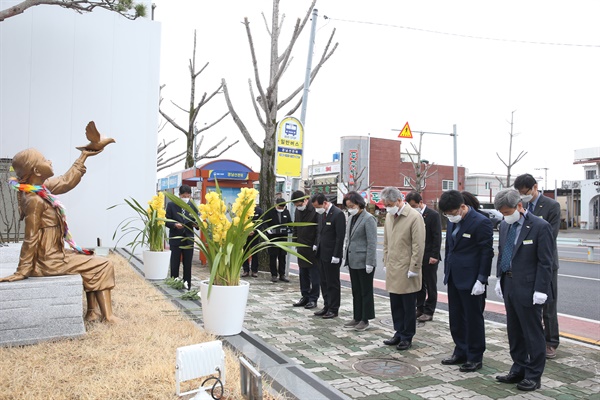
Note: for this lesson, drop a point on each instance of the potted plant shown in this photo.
(222, 239)
(151, 234)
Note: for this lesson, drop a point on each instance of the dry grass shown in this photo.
(131, 360)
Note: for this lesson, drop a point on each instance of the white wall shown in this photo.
(58, 71)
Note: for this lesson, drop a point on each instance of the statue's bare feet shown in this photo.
(93, 316)
(113, 320)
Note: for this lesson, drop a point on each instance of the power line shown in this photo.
(461, 35)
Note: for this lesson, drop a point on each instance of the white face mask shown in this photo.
(352, 211)
(392, 210)
(301, 208)
(454, 218)
(320, 210)
(514, 217)
(280, 210)
(186, 199)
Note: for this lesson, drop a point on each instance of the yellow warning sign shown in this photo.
(405, 132)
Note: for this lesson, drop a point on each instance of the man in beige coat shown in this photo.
(403, 246)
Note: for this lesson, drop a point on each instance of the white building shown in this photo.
(590, 187)
(484, 186)
(59, 70)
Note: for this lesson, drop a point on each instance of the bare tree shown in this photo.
(10, 220)
(267, 104)
(420, 168)
(193, 135)
(127, 8)
(356, 182)
(510, 163)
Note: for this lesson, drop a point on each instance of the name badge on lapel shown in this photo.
(526, 242)
(327, 223)
(467, 235)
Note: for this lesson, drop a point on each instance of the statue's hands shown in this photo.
(90, 153)
(12, 278)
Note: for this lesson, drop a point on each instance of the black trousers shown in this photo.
(404, 315)
(330, 285)
(466, 322)
(177, 255)
(363, 303)
(550, 315)
(310, 283)
(277, 256)
(427, 296)
(525, 333)
(252, 262)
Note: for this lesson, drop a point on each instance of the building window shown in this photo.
(447, 185)
(406, 181)
(591, 174)
(488, 185)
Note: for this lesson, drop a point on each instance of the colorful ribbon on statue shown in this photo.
(45, 194)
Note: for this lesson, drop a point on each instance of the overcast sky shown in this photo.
(431, 63)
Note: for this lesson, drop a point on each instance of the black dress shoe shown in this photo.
(404, 345)
(392, 342)
(310, 304)
(509, 378)
(283, 279)
(255, 275)
(301, 303)
(528, 385)
(329, 315)
(453, 360)
(470, 366)
(321, 312)
(245, 274)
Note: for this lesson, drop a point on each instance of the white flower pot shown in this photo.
(223, 313)
(156, 264)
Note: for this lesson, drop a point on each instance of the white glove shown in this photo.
(369, 269)
(539, 298)
(498, 289)
(478, 288)
(412, 274)
(384, 270)
(270, 232)
(335, 260)
(314, 247)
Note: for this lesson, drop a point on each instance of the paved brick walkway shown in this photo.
(360, 366)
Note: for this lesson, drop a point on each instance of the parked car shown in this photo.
(494, 216)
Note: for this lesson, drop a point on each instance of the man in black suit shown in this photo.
(310, 282)
(252, 240)
(467, 265)
(524, 271)
(274, 218)
(329, 248)
(548, 209)
(181, 226)
(427, 296)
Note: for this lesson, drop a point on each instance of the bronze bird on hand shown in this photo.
(97, 141)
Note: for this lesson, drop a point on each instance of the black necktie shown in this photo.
(509, 246)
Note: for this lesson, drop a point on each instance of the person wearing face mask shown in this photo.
(310, 282)
(181, 234)
(253, 239)
(403, 247)
(548, 209)
(524, 271)
(329, 251)
(427, 296)
(467, 265)
(361, 259)
(275, 218)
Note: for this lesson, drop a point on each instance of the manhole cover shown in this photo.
(385, 368)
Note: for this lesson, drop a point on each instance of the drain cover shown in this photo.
(385, 368)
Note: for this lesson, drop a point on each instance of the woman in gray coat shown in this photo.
(360, 251)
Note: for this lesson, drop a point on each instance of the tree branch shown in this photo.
(244, 131)
(80, 6)
(213, 124)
